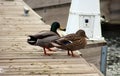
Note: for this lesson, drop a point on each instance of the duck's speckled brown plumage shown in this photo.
(72, 42)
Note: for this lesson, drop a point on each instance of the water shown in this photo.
(113, 55)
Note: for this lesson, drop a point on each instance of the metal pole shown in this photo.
(103, 59)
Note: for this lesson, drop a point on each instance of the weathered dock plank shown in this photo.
(18, 58)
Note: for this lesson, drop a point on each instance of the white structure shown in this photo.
(85, 14)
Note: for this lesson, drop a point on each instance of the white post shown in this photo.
(85, 14)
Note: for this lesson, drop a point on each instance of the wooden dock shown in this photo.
(18, 58)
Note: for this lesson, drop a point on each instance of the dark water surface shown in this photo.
(112, 36)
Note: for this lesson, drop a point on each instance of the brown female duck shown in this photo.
(71, 42)
(43, 38)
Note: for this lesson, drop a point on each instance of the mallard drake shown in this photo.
(43, 38)
(71, 42)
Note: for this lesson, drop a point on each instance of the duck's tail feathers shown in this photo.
(31, 40)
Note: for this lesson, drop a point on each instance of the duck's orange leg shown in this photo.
(68, 53)
(72, 54)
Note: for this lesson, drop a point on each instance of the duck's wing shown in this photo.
(43, 34)
(62, 41)
(68, 39)
(71, 37)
